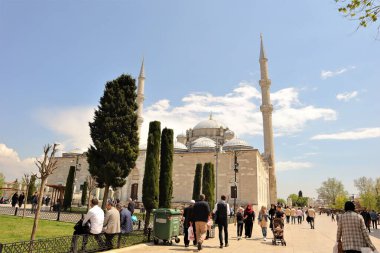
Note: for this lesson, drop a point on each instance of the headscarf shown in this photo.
(249, 209)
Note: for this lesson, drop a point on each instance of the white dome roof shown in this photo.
(204, 142)
(209, 123)
(236, 143)
(179, 146)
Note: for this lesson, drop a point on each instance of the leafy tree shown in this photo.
(166, 168)
(114, 134)
(208, 183)
(32, 187)
(2, 179)
(197, 181)
(68, 198)
(340, 201)
(330, 189)
(368, 191)
(150, 189)
(368, 200)
(365, 11)
(294, 198)
(84, 193)
(302, 201)
(364, 185)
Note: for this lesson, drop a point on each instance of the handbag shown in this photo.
(190, 232)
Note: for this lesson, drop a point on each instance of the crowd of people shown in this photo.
(352, 232)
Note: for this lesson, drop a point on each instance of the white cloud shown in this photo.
(12, 166)
(346, 96)
(358, 134)
(239, 110)
(290, 165)
(330, 73)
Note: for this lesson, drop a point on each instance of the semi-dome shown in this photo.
(236, 144)
(229, 134)
(179, 146)
(203, 142)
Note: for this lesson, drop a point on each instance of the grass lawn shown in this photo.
(14, 229)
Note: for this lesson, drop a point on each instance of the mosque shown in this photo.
(207, 141)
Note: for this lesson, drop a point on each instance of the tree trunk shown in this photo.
(105, 196)
(37, 215)
(147, 220)
(26, 201)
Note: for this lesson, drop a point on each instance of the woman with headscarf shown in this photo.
(249, 218)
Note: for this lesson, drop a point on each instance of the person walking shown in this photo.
(188, 221)
(221, 212)
(249, 218)
(287, 213)
(311, 216)
(201, 211)
(272, 213)
(111, 224)
(14, 199)
(126, 225)
(293, 215)
(374, 219)
(367, 219)
(332, 216)
(239, 221)
(263, 221)
(94, 216)
(34, 202)
(21, 199)
(352, 231)
(299, 215)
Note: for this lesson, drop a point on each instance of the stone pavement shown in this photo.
(299, 238)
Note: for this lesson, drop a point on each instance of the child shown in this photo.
(239, 220)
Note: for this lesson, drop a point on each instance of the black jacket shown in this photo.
(201, 211)
(188, 215)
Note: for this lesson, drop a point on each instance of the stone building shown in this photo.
(207, 141)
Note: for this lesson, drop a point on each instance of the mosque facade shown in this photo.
(207, 141)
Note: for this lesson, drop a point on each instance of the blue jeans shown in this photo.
(264, 231)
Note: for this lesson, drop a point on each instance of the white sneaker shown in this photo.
(265, 239)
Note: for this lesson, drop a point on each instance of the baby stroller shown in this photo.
(278, 232)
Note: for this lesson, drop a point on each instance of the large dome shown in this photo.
(236, 144)
(179, 146)
(209, 123)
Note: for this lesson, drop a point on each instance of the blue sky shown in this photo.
(200, 56)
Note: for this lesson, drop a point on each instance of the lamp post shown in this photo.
(236, 170)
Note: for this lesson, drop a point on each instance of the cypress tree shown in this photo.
(114, 133)
(150, 189)
(84, 193)
(208, 183)
(166, 168)
(69, 189)
(32, 188)
(197, 181)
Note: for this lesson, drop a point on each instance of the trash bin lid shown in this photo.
(167, 211)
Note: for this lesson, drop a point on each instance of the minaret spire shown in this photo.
(266, 110)
(140, 97)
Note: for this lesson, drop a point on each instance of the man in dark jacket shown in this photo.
(188, 221)
(222, 211)
(201, 212)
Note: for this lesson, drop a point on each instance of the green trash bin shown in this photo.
(166, 224)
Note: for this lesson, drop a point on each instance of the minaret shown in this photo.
(140, 97)
(266, 109)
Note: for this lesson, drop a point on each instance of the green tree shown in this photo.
(166, 168)
(340, 201)
(294, 198)
(68, 198)
(197, 181)
(330, 189)
(302, 201)
(32, 187)
(208, 183)
(364, 11)
(281, 201)
(114, 133)
(84, 193)
(150, 189)
(2, 179)
(368, 192)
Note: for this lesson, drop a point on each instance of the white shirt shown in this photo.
(96, 217)
(224, 202)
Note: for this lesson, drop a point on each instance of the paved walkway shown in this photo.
(299, 238)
